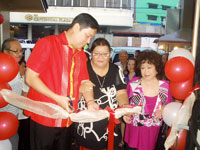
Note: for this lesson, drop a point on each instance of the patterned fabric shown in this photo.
(94, 135)
(142, 133)
(127, 78)
(136, 97)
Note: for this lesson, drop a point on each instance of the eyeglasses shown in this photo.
(16, 51)
(105, 55)
(123, 55)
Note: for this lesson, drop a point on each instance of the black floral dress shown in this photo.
(94, 135)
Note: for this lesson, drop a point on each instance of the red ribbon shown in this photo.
(197, 87)
(111, 126)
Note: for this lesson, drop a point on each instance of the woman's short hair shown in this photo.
(151, 57)
(100, 42)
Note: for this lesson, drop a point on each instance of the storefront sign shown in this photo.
(36, 17)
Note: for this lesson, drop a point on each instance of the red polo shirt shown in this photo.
(52, 58)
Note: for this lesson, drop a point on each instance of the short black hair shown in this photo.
(100, 42)
(85, 21)
(137, 50)
(6, 44)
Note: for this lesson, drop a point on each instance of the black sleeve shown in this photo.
(119, 78)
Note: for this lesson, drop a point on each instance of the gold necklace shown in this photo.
(101, 84)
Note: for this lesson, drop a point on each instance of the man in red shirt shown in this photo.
(56, 69)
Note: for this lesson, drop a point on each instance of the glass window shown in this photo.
(59, 2)
(93, 3)
(67, 3)
(109, 3)
(164, 7)
(19, 31)
(76, 3)
(103, 30)
(126, 4)
(154, 6)
(129, 4)
(152, 17)
(51, 2)
(63, 2)
(84, 3)
(117, 4)
(97, 3)
(62, 28)
(40, 31)
(163, 18)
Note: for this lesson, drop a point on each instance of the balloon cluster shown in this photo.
(179, 69)
(169, 114)
(8, 70)
(5, 145)
(180, 143)
(170, 111)
(8, 121)
(1, 19)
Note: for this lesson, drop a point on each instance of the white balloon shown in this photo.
(5, 145)
(183, 53)
(170, 111)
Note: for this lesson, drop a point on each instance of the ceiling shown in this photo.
(23, 5)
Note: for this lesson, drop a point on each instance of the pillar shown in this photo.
(5, 26)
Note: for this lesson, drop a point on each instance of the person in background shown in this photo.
(165, 58)
(22, 70)
(24, 124)
(12, 47)
(109, 91)
(164, 61)
(152, 93)
(123, 57)
(130, 69)
(129, 75)
(55, 70)
(22, 67)
(137, 52)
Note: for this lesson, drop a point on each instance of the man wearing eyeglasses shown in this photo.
(13, 47)
(123, 57)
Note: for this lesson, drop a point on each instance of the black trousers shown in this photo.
(50, 138)
(24, 134)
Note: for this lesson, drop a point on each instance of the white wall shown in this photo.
(64, 15)
(148, 42)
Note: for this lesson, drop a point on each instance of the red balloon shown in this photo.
(8, 67)
(8, 125)
(179, 90)
(1, 19)
(3, 103)
(181, 140)
(179, 69)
